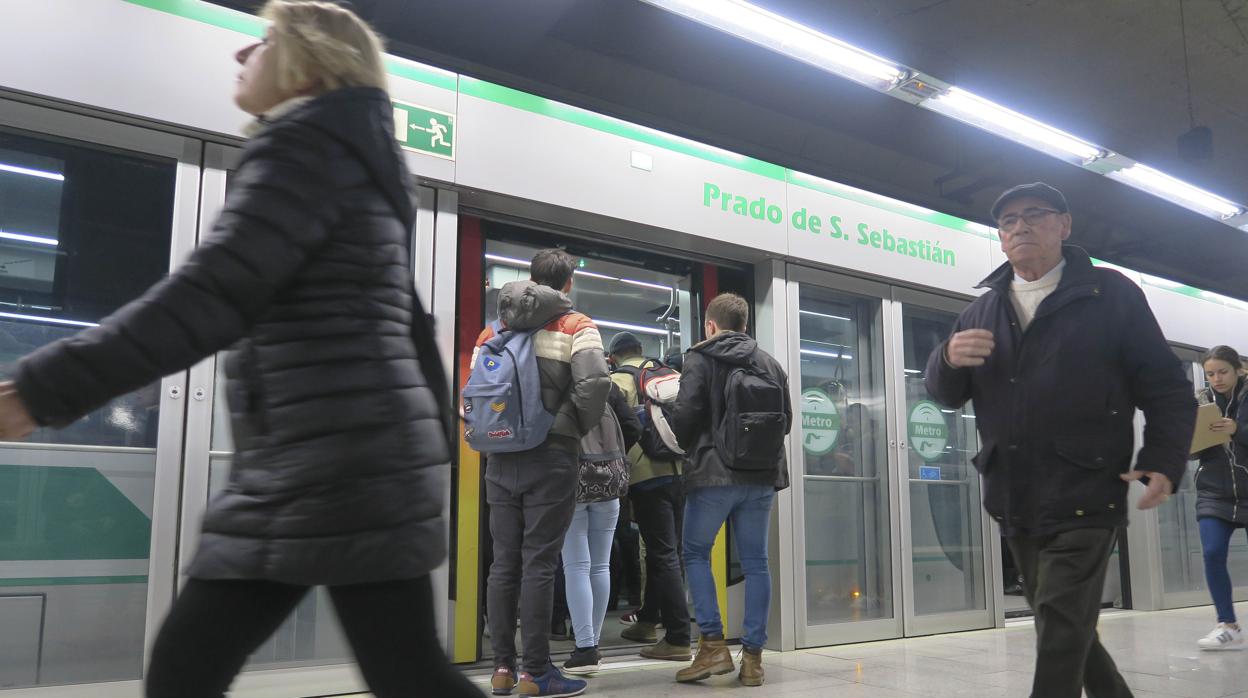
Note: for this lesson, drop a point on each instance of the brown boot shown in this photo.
(713, 658)
(751, 668)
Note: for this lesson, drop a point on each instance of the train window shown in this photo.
(83, 230)
(71, 218)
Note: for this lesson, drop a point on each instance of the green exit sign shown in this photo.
(424, 130)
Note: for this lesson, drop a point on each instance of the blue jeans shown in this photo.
(587, 567)
(1215, 540)
(706, 509)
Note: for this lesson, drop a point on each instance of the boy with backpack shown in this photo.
(658, 507)
(731, 416)
(538, 383)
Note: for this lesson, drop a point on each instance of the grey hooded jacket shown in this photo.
(569, 355)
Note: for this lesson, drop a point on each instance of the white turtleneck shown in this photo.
(1026, 296)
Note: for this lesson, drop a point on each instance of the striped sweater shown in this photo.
(569, 352)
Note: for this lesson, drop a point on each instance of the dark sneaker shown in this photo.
(667, 651)
(552, 684)
(503, 681)
(584, 660)
(640, 631)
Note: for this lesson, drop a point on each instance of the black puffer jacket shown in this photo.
(1055, 405)
(1222, 478)
(699, 408)
(337, 475)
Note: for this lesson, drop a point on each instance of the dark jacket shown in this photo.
(610, 439)
(1222, 478)
(337, 476)
(1054, 405)
(630, 426)
(699, 408)
(569, 356)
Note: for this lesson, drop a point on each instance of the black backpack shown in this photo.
(754, 423)
(657, 387)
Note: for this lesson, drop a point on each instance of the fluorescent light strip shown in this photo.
(647, 284)
(57, 321)
(803, 43)
(630, 328)
(827, 354)
(977, 111)
(507, 260)
(834, 317)
(783, 35)
(594, 275)
(32, 172)
(1163, 185)
(29, 238)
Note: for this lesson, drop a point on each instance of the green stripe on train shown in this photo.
(52, 513)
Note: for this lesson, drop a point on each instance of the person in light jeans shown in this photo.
(587, 543)
(587, 570)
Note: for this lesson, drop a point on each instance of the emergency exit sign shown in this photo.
(424, 130)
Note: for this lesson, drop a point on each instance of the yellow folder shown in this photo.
(1202, 437)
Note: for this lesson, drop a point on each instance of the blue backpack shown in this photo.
(503, 410)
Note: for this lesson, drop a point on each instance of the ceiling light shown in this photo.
(33, 173)
(647, 284)
(771, 31)
(29, 238)
(1163, 185)
(507, 260)
(594, 275)
(630, 328)
(833, 317)
(977, 111)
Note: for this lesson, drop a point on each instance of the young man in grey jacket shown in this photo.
(532, 494)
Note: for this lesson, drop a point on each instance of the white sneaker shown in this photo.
(1222, 637)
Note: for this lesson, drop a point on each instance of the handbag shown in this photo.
(602, 480)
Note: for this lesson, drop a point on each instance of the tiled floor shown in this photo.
(1155, 651)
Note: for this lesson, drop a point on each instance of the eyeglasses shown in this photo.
(1031, 216)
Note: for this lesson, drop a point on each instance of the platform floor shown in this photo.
(1156, 652)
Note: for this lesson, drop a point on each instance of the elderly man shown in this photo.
(1056, 356)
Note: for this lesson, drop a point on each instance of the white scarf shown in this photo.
(256, 125)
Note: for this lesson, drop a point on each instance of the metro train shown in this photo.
(111, 172)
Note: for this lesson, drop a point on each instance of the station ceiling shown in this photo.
(1110, 71)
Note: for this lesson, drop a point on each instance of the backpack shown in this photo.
(753, 426)
(503, 409)
(657, 386)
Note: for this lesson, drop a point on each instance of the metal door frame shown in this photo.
(808, 635)
(943, 622)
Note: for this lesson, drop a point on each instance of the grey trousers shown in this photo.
(532, 496)
(1063, 575)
